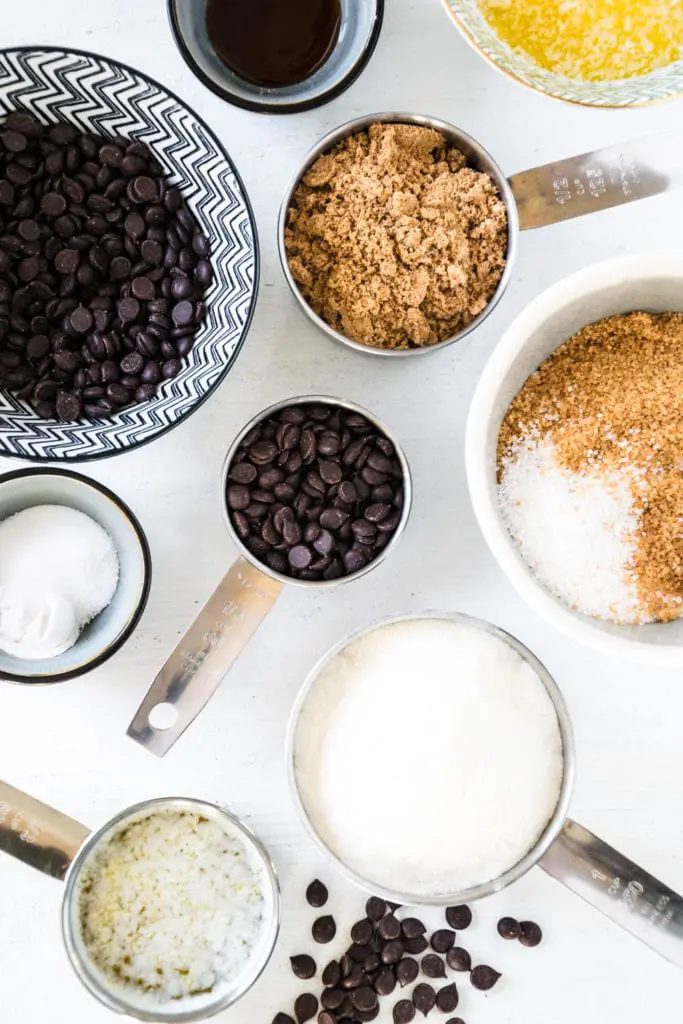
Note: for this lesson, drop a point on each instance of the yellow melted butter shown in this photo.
(591, 40)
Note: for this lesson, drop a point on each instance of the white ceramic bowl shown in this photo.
(112, 627)
(649, 282)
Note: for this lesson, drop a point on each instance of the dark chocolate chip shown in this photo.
(509, 928)
(458, 959)
(404, 1011)
(416, 946)
(385, 982)
(484, 977)
(407, 971)
(447, 998)
(459, 917)
(389, 927)
(283, 1018)
(375, 908)
(324, 928)
(303, 966)
(531, 934)
(305, 1007)
(362, 931)
(424, 998)
(331, 975)
(332, 998)
(412, 927)
(432, 965)
(442, 940)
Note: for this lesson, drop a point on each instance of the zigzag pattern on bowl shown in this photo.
(100, 95)
(659, 85)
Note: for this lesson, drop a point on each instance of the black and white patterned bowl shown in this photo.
(100, 95)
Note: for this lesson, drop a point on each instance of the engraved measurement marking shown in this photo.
(28, 831)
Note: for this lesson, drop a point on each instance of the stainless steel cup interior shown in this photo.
(228, 620)
(114, 998)
(350, 407)
(580, 860)
(62, 847)
(551, 830)
(477, 157)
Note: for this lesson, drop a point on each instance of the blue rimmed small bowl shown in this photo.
(100, 95)
(109, 630)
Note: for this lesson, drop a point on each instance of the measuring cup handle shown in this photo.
(37, 834)
(618, 888)
(598, 180)
(197, 666)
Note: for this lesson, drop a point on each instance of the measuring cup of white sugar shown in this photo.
(170, 910)
(551, 504)
(75, 574)
(486, 771)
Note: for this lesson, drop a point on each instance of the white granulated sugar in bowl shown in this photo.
(173, 906)
(577, 532)
(462, 740)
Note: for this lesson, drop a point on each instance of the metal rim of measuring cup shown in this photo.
(481, 159)
(108, 996)
(351, 407)
(547, 837)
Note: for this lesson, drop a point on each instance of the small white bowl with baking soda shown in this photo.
(79, 576)
(646, 284)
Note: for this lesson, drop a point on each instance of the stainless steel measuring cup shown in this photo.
(235, 610)
(53, 843)
(535, 198)
(582, 862)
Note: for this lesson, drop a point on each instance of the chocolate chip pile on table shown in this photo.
(103, 270)
(377, 964)
(315, 491)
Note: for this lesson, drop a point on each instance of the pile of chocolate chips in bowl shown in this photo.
(392, 953)
(103, 271)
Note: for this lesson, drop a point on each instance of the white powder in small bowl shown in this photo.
(428, 756)
(173, 905)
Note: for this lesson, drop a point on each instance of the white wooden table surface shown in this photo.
(67, 744)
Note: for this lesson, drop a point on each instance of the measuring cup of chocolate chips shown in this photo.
(315, 492)
(133, 929)
(434, 241)
(481, 742)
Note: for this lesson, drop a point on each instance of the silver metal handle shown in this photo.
(618, 888)
(598, 180)
(36, 833)
(197, 666)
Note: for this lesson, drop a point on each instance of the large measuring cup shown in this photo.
(534, 198)
(584, 863)
(236, 609)
(61, 847)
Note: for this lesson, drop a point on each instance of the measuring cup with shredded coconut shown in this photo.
(175, 908)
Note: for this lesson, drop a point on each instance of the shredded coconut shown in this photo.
(172, 906)
(576, 531)
(428, 756)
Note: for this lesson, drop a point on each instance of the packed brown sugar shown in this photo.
(607, 408)
(393, 240)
